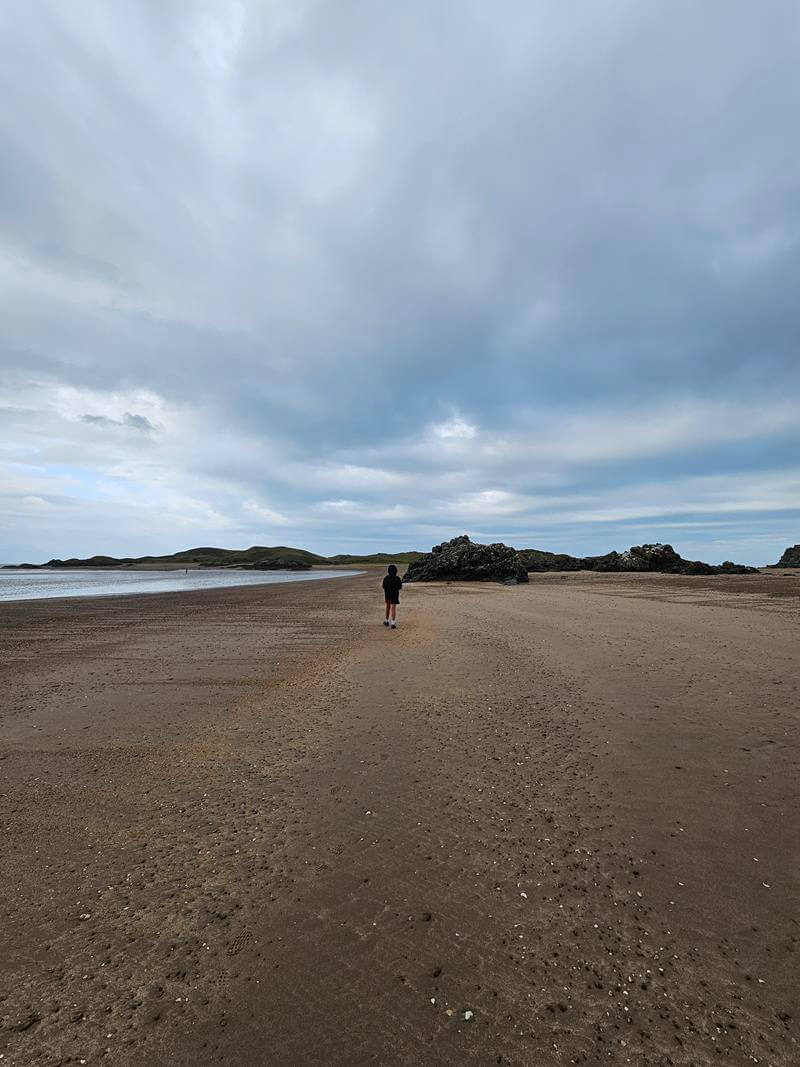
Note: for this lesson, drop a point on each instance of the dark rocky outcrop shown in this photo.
(461, 560)
(656, 559)
(663, 559)
(535, 559)
(790, 558)
(274, 563)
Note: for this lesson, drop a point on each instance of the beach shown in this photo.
(550, 823)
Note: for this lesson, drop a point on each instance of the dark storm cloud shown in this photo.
(370, 267)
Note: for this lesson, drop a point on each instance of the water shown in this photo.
(39, 585)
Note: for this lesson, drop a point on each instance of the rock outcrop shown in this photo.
(537, 560)
(657, 559)
(790, 558)
(663, 559)
(461, 560)
(274, 563)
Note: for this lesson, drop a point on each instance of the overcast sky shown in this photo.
(367, 275)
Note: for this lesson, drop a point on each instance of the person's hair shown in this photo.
(392, 569)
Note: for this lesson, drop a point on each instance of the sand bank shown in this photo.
(250, 826)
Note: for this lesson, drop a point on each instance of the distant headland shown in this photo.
(458, 558)
(258, 557)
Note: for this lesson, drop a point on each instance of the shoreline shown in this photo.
(301, 838)
(252, 579)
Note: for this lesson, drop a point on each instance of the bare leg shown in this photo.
(392, 609)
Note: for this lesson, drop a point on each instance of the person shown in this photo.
(391, 591)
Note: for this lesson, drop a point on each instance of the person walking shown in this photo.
(391, 591)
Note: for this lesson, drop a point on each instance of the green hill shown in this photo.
(231, 557)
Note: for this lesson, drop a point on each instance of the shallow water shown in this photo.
(39, 585)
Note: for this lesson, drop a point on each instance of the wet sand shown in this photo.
(550, 824)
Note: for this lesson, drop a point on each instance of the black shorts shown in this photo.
(393, 599)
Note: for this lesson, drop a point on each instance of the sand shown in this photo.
(549, 824)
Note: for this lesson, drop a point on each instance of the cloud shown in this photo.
(135, 422)
(529, 272)
(99, 420)
(35, 503)
(138, 422)
(456, 427)
(266, 515)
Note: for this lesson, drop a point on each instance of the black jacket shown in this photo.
(392, 586)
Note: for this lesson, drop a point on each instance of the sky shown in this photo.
(359, 276)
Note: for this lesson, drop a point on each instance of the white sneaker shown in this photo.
(385, 622)
(392, 625)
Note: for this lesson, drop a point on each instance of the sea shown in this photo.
(40, 585)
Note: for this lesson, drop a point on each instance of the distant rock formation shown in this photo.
(273, 563)
(657, 559)
(790, 558)
(663, 559)
(461, 560)
(535, 559)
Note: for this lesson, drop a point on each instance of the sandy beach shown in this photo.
(554, 823)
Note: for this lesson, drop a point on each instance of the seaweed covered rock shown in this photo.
(790, 558)
(461, 560)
